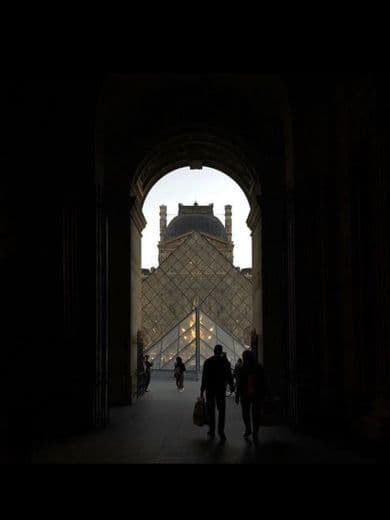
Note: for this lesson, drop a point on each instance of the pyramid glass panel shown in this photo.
(191, 365)
(170, 338)
(207, 336)
(155, 355)
(192, 349)
(169, 364)
(187, 337)
(170, 354)
(188, 352)
(196, 275)
(205, 350)
(225, 339)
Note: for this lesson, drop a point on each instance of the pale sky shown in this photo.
(205, 187)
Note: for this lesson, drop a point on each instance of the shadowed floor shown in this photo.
(158, 429)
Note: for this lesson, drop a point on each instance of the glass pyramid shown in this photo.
(194, 339)
(196, 274)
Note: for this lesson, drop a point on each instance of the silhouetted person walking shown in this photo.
(148, 372)
(251, 393)
(180, 369)
(217, 374)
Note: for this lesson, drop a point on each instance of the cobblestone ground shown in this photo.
(158, 429)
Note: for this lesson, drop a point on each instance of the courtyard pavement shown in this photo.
(158, 429)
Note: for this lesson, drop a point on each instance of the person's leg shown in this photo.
(221, 405)
(246, 407)
(148, 377)
(211, 413)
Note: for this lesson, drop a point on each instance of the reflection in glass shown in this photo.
(188, 323)
(207, 336)
(187, 353)
(207, 322)
(187, 337)
(225, 338)
(170, 338)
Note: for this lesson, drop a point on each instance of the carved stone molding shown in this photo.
(190, 150)
(137, 215)
(255, 214)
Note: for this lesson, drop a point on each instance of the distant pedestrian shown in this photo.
(148, 371)
(180, 370)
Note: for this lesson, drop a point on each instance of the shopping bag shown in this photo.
(200, 413)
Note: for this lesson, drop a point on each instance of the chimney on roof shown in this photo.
(163, 222)
(229, 223)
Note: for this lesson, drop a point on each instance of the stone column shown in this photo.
(137, 224)
(291, 305)
(102, 309)
(119, 296)
(267, 222)
(254, 223)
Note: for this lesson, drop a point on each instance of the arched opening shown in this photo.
(203, 187)
(194, 151)
(197, 286)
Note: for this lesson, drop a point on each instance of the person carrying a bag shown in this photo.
(180, 370)
(217, 375)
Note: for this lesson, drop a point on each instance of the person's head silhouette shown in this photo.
(218, 351)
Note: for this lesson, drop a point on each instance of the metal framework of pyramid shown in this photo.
(193, 339)
(196, 275)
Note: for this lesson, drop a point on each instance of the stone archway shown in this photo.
(130, 162)
(198, 151)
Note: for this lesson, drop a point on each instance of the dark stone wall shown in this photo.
(48, 259)
(53, 365)
(342, 244)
